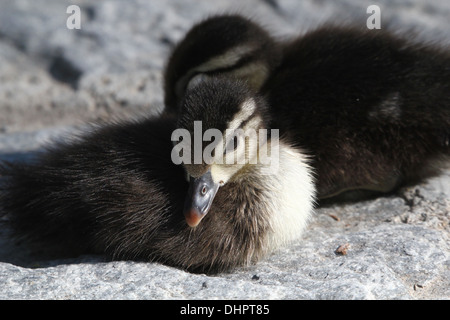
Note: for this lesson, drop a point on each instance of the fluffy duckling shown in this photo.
(118, 191)
(371, 109)
(230, 45)
(257, 187)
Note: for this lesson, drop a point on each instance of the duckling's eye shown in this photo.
(204, 190)
(231, 145)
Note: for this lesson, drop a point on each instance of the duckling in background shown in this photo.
(117, 191)
(371, 109)
(228, 45)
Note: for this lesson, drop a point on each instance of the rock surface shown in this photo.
(53, 80)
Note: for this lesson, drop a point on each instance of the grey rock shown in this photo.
(54, 80)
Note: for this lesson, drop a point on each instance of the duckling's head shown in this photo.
(227, 44)
(221, 119)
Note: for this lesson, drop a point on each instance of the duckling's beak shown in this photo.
(201, 193)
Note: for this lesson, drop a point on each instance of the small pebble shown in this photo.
(342, 249)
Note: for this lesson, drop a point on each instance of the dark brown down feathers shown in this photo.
(371, 109)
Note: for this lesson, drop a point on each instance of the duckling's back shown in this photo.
(105, 191)
(373, 110)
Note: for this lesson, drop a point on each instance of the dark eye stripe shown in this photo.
(234, 142)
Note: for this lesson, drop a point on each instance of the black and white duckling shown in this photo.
(230, 45)
(118, 191)
(371, 109)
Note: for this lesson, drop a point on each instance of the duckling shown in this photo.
(256, 188)
(371, 109)
(225, 44)
(118, 190)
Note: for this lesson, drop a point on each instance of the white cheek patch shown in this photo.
(246, 110)
(253, 124)
(247, 140)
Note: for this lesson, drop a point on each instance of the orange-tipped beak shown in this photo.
(193, 217)
(201, 193)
